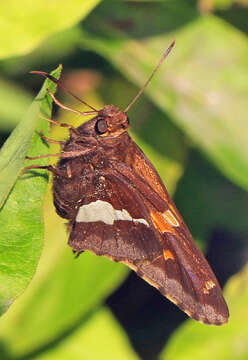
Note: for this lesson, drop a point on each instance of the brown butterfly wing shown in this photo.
(162, 253)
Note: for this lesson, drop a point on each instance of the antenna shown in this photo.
(69, 108)
(164, 56)
(58, 82)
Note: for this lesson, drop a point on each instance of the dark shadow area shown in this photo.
(35, 173)
(148, 318)
(3, 137)
(227, 253)
(236, 15)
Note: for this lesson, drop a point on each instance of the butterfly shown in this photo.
(118, 207)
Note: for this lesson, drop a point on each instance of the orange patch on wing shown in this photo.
(160, 222)
(168, 255)
(171, 218)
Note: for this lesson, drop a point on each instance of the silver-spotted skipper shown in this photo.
(118, 207)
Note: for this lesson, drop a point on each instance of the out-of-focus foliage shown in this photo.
(101, 337)
(198, 99)
(24, 25)
(14, 101)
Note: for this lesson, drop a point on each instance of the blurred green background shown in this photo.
(191, 122)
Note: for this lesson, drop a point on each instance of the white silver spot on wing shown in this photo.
(103, 211)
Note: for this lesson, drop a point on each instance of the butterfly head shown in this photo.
(111, 121)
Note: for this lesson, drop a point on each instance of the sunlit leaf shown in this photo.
(25, 25)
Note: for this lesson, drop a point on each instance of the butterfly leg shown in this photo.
(50, 168)
(55, 122)
(51, 141)
(62, 155)
(45, 167)
(54, 170)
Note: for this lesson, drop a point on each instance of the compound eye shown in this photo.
(101, 126)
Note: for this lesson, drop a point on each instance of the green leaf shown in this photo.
(25, 25)
(203, 88)
(14, 150)
(21, 215)
(100, 338)
(228, 342)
